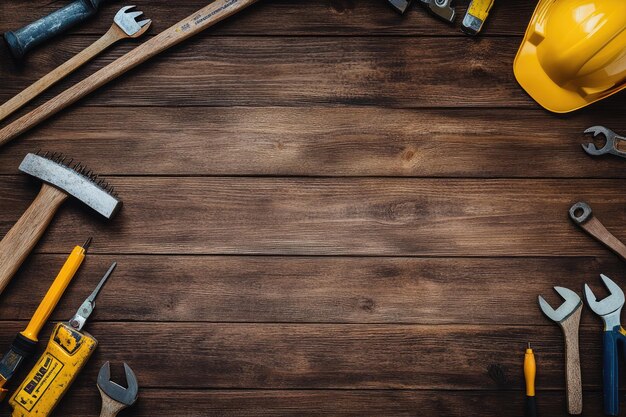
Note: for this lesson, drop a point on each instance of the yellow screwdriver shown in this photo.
(530, 370)
(25, 342)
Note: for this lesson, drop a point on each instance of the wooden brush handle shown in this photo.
(24, 235)
(573, 380)
(197, 22)
(113, 35)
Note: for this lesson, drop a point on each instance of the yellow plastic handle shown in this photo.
(530, 369)
(54, 293)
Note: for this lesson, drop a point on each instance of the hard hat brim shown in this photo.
(533, 79)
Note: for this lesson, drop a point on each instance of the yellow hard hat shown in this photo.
(573, 53)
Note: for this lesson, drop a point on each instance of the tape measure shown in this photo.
(476, 15)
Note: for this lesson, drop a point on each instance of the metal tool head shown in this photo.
(608, 305)
(126, 20)
(443, 8)
(73, 179)
(400, 6)
(116, 392)
(580, 212)
(609, 144)
(86, 308)
(571, 304)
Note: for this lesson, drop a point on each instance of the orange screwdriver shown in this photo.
(530, 370)
(25, 342)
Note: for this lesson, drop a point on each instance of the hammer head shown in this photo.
(75, 180)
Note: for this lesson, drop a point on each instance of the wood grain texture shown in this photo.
(333, 356)
(330, 210)
(311, 289)
(342, 403)
(573, 382)
(355, 216)
(309, 71)
(284, 17)
(320, 141)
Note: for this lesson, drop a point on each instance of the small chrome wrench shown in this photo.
(610, 145)
(115, 397)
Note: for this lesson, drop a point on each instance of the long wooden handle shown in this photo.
(204, 18)
(22, 238)
(573, 380)
(595, 228)
(110, 408)
(113, 35)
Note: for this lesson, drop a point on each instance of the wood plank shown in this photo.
(357, 216)
(322, 141)
(296, 71)
(352, 403)
(285, 17)
(311, 289)
(331, 356)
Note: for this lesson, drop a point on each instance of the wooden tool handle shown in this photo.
(572, 362)
(113, 35)
(24, 235)
(110, 408)
(197, 22)
(595, 228)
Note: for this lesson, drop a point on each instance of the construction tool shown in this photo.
(530, 371)
(441, 8)
(61, 178)
(23, 40)
(196, 23)
(115, 398)
(582, 215)
(67, 352)
(124, 27)
(610, 145)
(25, 342)
(400, 6)
(567, 316)
(476, 15)
(609, 309)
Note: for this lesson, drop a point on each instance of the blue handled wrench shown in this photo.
(610, 310)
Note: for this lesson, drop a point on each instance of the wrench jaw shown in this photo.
(610, 142)
(609, 308)
(571, 304)
(126, 396)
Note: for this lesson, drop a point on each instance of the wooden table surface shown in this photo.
(329, 209)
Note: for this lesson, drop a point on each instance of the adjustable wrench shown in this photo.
(442, 8)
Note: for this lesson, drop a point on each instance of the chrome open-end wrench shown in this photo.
(610, 145)
(114, 396)
(567, 316)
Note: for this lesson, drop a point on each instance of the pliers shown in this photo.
(610, 145)
(610, 310)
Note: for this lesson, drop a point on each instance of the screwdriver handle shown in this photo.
(54, 293)
(530, 371)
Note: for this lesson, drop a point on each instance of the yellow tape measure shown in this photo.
(477, 13)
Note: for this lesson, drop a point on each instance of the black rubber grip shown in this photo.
(530, 407)
(23, 40)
